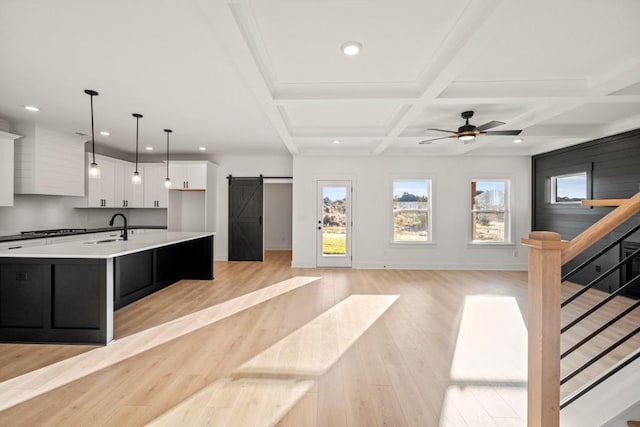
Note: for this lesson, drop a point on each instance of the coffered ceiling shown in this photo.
(269, 76)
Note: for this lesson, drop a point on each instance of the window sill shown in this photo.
(490, 244)
(392, 243)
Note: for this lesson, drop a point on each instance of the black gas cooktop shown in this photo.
(53, 232)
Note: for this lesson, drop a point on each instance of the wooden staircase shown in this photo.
(547, 254)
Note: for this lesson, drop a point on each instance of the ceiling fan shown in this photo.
(467, 133)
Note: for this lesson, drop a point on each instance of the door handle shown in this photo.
(260, 219)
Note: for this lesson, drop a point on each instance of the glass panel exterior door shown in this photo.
(334, 224)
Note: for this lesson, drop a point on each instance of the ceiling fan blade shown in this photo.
(428, 141)
(489, 125)
(503, 132)
(442, 130)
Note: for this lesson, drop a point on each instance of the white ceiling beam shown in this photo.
(221, 20)
(284, 92)
(624, 125)
(565, 131)
(338, 132)
(466, 100)
(456, 52)
(620, 78)
(610, 99)
(624, 77)
(516, 89)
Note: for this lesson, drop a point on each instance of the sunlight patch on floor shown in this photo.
(43, 380)
(265, 388)
(315, 347)
(489, 368)
(240, 402)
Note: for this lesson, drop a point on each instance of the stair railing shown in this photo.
(547, 254)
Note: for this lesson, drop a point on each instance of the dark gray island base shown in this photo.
(71, 300)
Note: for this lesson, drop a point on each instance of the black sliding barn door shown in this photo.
(245, 219)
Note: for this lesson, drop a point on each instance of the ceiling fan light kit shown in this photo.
(467, 133)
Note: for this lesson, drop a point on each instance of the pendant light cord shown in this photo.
(93, 138)
(167, 152)
(137, 119)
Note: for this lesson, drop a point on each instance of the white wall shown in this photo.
(372, 214)
(241, 165)
(39, 212)
(277, 216)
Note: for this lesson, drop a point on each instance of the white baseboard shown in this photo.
(441, 266)
(380, 266)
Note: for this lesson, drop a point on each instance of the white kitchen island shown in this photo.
(67, 292)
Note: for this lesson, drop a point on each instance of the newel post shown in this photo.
(543, 324)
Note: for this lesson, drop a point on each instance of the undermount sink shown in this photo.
(95, 242)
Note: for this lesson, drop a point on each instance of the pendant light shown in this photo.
(136, 178)
(167, 181)
(94, 169)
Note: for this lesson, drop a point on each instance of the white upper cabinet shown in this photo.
(114, 188)
(192, 210)
(48, 162)
(6, 168)
(188, 175)
(101, 191)
(155, 193)
(127, 194)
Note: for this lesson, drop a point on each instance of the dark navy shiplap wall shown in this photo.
(614, 164)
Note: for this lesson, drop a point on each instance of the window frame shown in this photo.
(507, 212)
(430, 191)
(564, 171)
(553, 188)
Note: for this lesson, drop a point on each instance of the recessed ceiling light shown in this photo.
(517, 141)
(202, 148)
(105, 133)
(351, 48)
(148, 148)
(31, 108)
(336, 141)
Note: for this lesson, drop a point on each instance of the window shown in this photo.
(490, 211)
(412, 210)
(570, 188)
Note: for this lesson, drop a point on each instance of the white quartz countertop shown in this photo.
(106, 249)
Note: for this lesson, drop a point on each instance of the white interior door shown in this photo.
(333, 224)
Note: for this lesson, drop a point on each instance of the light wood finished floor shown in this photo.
(426, 361)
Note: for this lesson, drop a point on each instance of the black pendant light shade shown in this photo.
(94, 169)
(136, 178)
(167, 181)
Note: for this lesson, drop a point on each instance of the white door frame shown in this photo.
(345, 260)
